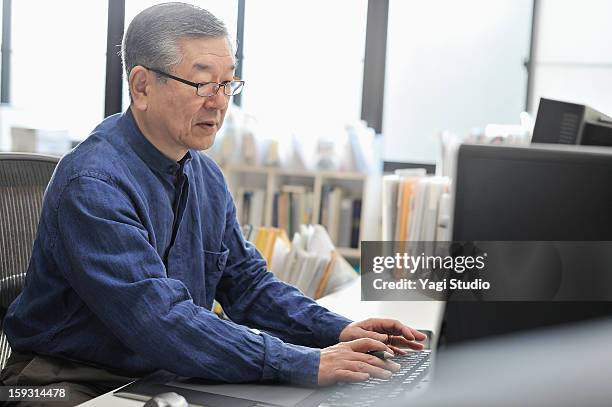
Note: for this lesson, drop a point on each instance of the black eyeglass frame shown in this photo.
(196, 85)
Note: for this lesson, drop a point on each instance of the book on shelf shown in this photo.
(397, 190)
(292, 206)
(250, 206)
(416, 207)
(309, 261)
(345, 223)
(341, 216)
(389, 202)
(355, 223)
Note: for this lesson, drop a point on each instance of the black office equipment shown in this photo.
(560, 122)
(541, 193)
(538, 193)
(160, 382)
(415, 367)
(413, 374)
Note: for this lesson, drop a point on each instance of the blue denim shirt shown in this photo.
(108, 284)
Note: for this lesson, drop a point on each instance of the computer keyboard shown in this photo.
(413, 370)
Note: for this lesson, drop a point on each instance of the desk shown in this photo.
(347, 302)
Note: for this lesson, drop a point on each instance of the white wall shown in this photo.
(452, 65)
(574, 53)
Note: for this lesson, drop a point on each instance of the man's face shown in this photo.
(182, 119)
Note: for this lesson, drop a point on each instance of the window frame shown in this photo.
(373, 73)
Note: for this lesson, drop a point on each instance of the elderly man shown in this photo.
(139, 235)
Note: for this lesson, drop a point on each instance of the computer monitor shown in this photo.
(537, 193)
(561, 122)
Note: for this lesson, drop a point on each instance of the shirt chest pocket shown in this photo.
(214, 265)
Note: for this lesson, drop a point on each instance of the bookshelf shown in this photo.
(317, 186)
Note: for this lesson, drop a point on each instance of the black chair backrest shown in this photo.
(23, 180)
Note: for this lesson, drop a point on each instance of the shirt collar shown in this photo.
(154, 158)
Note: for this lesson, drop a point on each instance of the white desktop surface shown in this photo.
(347, 302)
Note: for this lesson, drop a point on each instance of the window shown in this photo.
(303, 64)
(573, 60)
(452, 65)
(58, 68)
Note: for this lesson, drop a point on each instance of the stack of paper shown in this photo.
(265, 241)
(308, 262)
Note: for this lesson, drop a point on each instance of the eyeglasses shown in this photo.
(206, 89)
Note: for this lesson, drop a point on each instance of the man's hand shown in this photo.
(349, 362)
(388, 331)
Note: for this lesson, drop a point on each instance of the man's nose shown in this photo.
(217, 101)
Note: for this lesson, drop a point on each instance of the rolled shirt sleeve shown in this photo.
(119, 275)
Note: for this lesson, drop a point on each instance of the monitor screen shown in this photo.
(538, 193)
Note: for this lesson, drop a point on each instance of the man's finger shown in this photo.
(419, 336)
(406, 331)
(375, 361)
(381, 337)
(400, 341)
(391, 327)
(397, 351)
(364, 367)
(367, 344)
(410, 334)
(416, 346)
(350, 376)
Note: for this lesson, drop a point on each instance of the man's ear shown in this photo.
(139, 85)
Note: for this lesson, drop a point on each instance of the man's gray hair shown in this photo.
(152, 37)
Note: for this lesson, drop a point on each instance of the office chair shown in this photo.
(23, 179)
